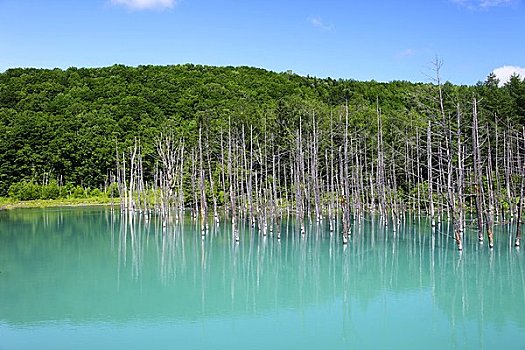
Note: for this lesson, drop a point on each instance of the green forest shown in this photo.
(241, 136)
(65, 124)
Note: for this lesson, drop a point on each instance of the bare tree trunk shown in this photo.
(212, 184)
(167, 153)
(328, 192)
(508, 171)
(430, 175)
(478, 182)
(223, 176)
(344, 165)
(232, 191)
(361, 176)
(121, 180)
(299, 176)
(285, 177)
(358, 183)
(202, 188)
(194, 185)
(132, 179)
(275, 208)
(333, 194)
(393, 193)
(517, 240)
(314, 173)
(418, 181)
(248, 170)
(181, 181)
(459, 216)
(489, 214)
(381, 166)
(498, 202)
(343, 200)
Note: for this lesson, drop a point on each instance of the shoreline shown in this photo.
(8, 204)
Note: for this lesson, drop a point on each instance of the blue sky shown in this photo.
(364, 40)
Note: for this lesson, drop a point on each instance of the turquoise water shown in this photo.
(84, 278)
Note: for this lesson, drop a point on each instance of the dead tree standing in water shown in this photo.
(517, 240)
(478, 182)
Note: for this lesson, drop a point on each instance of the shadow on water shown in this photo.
(85, 265)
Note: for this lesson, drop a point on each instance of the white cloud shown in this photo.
(482, 4)
(145, 4)
(493, 3)
(406, 53)
(319, 23)
(504, 73)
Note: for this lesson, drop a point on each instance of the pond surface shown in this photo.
(87, 278)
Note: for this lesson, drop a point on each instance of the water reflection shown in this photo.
(82, 265)
(261, 273)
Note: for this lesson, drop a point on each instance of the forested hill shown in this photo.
(67, 124)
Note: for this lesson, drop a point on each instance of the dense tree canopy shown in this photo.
(65, 125)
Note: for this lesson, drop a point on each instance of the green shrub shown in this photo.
(67, 190)
(95, 192)
(25, 191)
(78, 192)
(51, 190)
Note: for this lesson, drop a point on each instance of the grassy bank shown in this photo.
(9, 203)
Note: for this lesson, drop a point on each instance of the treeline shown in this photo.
(255, 141)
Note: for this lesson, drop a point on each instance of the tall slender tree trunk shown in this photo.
(478, 182)
(202, 188)
(489, 213)
(517, 240)
(344, 165)
(430, 176)
(380, 175)
(460, 181)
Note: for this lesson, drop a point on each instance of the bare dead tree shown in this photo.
(478, 182)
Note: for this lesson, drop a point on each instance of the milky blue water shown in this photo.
(87, 278)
